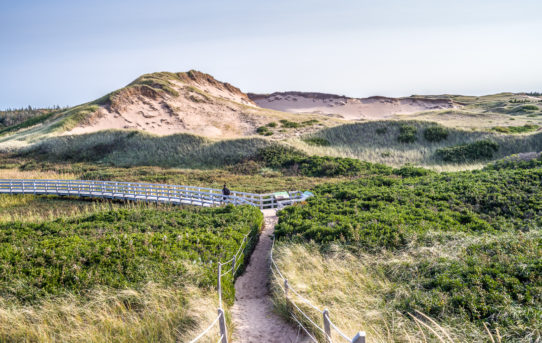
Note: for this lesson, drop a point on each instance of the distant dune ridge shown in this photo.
(372, 108)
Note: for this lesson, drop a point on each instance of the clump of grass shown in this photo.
(272, 124)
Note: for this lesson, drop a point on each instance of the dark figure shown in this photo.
(225, 192)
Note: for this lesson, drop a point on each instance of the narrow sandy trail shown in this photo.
(253, 316)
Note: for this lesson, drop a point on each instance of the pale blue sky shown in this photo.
(68, 52)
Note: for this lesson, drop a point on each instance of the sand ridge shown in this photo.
(372, 108)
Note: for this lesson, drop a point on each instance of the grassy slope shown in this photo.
(105, 271)
(378, 142)
(464, 248)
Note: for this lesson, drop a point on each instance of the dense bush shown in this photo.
(119, 248)
(294, 161)
(435, 133)
(407, 134)
(480, 150)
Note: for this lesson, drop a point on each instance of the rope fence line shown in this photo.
(220, 318)
(328, 325)
(150, 192)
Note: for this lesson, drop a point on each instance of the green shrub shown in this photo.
(407, 134)
(435, 133)
(264, 131)
(272, 124)
(276, 156)
(289, 124)
(317, 141)
(411, 171)
(480, 150)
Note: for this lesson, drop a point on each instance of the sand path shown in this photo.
(253, 316)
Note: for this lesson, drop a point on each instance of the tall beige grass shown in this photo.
(357, 298)
(152, 314)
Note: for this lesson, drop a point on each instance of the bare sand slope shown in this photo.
(253, 317)
(168, 103)
(373, 108)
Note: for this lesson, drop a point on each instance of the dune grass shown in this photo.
(387, 142)
(133, 148)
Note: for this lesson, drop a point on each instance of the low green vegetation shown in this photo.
(516, 129)
(40, 118)
(463, 248)
(130, 248)
(480, 150)
(264, 131)
(12, 117)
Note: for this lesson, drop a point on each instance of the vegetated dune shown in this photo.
(376, 107)
(396, 142)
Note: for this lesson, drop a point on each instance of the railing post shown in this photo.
(233, 265)
(219, 284)
(327, 326)
(222, 325)
(286, 287)
(359, 337)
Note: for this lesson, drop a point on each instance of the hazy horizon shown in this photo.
(68, 52)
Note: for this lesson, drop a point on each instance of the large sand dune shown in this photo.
(372, 108)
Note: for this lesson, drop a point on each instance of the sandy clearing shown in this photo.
(253, 316)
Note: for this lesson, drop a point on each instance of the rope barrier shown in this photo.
(304, 329)
(360, 337)
(206, 330)
(348, 339)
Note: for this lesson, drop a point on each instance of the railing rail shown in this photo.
(149, 192)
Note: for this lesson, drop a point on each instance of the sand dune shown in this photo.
(372, 108)
(167, 103)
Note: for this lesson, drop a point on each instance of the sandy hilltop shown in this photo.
(372, 108)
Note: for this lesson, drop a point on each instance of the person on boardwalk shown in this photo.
(225, 192)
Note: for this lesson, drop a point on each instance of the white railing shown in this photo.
(135, 191)
(290, 293)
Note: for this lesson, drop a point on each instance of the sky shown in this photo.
(58, 52)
